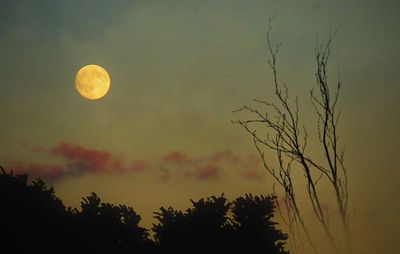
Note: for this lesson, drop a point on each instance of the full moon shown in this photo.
(92, 82)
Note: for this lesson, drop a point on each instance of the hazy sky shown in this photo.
(178, 68)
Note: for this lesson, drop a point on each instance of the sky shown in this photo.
(163, 133)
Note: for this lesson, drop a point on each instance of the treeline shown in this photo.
(34, 220)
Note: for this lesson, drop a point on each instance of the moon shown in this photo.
(92, 82)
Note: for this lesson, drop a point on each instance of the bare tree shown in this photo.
(287, 138)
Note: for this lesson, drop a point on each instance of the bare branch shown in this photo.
(288, 139)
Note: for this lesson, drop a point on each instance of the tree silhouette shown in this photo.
(207, 222)
(107, 228)
(207, 227)
(34, 220)
(170, 232)
(255, 232)
(200, 229)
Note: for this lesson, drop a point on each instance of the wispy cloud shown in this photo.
(48, 172)
(90, 160)
(207, 172)
(175, 157)
(139, 165)
(211, 167)
(79, 160)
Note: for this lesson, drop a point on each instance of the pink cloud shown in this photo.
(176, 157)
(254, 159)
(79, 160)
(207, 172)
(116, 166)
(174, 165)
(92, 160)
(47, 172)
(139, 165)
(226, 155)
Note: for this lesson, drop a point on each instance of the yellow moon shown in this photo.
(92, 82)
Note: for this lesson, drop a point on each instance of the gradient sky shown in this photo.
(178, 69)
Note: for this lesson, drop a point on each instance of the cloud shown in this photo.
(139, 165)
(226, 155)
(79, 160)
(175, 157)
(207, 172)
(178, 164)
(90, 159)
(49, 173)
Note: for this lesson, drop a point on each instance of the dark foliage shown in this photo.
(34, 220)
(201, 229)
(107, 228)
(207, 228)
(255, 231)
